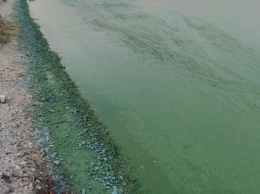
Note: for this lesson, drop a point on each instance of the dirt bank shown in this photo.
(18, 154)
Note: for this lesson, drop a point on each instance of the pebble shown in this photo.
(2, 99)
(6, 175)
(57, 162)
(114, 190)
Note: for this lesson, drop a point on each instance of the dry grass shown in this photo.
(6, 29)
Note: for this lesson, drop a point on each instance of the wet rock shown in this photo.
(57, 162)
(2, 99)
(42, 100)
(114, 190)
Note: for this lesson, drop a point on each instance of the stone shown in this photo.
(2, 99)
(42, 100)
(6, 175)
(114, 190)
(11, 190)
(57, 162)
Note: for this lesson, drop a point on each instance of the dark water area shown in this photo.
(176, 82)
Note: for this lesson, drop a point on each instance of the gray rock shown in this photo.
(2, 99)
(114, 190)
(57, 162)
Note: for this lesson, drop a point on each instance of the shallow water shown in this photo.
(176, 82)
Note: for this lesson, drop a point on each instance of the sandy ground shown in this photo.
(17, 155)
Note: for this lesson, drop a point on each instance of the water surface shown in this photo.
(177, 82)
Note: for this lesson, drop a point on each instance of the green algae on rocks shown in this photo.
(79, 149)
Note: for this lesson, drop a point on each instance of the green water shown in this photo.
(177, 82)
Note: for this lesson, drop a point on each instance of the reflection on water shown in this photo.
(179, 90)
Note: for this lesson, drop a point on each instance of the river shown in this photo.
(177, 83)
